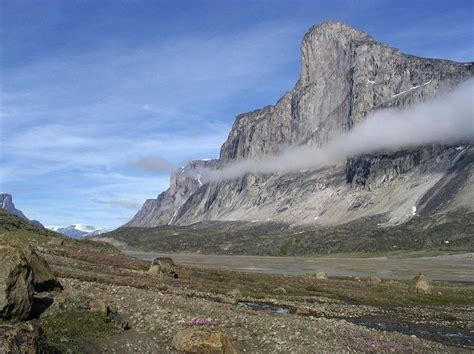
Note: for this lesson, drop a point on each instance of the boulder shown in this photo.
(100, 306)
(422, 284)
(321, 276)
(24, 338)
(16, 284)
(163, 266)
(202, 341)
(43, 277)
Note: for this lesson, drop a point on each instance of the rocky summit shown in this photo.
(345, 75)
(6, 203)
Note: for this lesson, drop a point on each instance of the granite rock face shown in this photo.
(183, 183)
(6, 203)
(345, 74)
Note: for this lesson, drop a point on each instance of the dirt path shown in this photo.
(448, 268)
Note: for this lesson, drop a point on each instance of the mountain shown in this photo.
(77, 230)
(183, 182)
(6, 203)
(345, 75)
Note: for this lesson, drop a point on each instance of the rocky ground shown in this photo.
(111, 304)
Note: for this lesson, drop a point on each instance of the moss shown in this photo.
(68, 331)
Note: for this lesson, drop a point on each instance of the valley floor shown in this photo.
(259, 312)
(457, 267)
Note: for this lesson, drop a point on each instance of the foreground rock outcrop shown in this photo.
(16, 284)
(43, 277)
(345, 75)
(22, 273)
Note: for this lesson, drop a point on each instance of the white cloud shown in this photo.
(446, 119)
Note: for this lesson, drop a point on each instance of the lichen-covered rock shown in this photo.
(202, 341)
(25, 338)
(43, 277)
(16, 284)
(100, 306)
(163, 266)
(422, 284)
(321, 276)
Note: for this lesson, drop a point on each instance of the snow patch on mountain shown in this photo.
(78, 230)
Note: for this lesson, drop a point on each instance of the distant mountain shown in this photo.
(77, 230)
(6, 203)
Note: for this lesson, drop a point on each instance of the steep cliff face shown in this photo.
(183, 183)
(6, 203)
(345, 74)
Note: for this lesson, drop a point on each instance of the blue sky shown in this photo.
(91, 88)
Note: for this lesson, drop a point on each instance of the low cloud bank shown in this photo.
(153, 164)
(446, 119)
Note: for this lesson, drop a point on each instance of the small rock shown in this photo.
(321, 276)
(100, 306)
(422, 284)
(203, 341)
(374, 280)
(163, 266)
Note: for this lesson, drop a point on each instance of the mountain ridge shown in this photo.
(345, 75)
(6, 203)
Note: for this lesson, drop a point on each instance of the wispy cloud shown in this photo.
(119, 203)
(124, 82)
(446, 119)
(153, 164)
(94, 125)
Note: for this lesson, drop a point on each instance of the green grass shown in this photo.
(389, 292)
(23, 228)
(68, 331)
(422, 236)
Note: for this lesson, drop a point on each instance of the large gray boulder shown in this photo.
(43, 277)
(16, 284)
